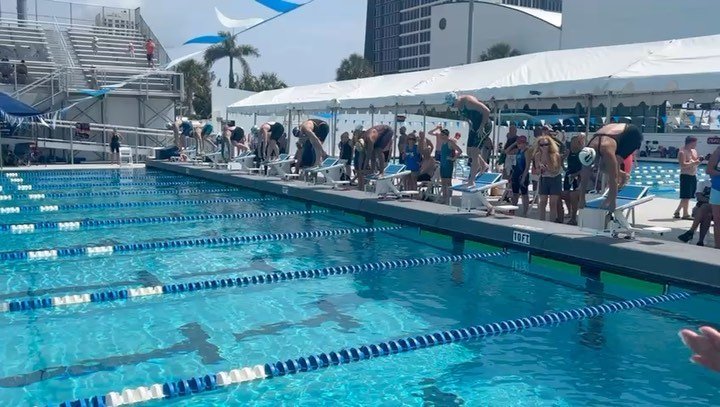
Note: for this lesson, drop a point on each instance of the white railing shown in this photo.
(63, 44)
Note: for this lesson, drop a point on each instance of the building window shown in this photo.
(443, 23)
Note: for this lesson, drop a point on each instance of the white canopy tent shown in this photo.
(651, 72)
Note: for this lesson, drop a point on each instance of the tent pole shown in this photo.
(587, 118)
(424, 108)
(372, 116)
(496, 135)
(608, 111)
(334, 130)
(395, 133)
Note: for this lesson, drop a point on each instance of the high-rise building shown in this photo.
(397, 36)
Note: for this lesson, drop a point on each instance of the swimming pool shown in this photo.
(150, 229)
(662, 178)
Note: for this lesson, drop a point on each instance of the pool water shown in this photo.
(662, 178)
(65, 353)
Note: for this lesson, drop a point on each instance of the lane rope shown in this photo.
(105, 184)
(177, 243)
(94, 223)
(110, 205)
(59, 195)
(107, 295)
(199, 384)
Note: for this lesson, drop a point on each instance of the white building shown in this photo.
(526, 29)
(582, 23)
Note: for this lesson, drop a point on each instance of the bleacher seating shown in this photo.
(112, 60)
(26, 42)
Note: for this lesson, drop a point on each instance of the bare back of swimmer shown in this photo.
(612, 144)
(376, 139)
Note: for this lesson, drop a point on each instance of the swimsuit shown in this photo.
(384, 138)
(474, 119)
(321, 129)
(446, 163)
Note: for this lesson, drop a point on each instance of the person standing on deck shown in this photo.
(689, 162)
(402, 142)
(713, 170)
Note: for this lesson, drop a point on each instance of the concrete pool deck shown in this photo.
(658, 260)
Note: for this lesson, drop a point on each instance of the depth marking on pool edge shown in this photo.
(91, 223)
(270, 278)
(271, 370)
(172, 244)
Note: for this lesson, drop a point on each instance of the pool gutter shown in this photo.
(646, 258)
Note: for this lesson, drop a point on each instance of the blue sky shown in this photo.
(323, 32)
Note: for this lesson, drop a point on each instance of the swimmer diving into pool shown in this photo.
(376, 139)
(608, 148)
(477, 115)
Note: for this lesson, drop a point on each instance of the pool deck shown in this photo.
(655, 259)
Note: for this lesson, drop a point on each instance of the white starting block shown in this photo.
(280, 167)
(243, 162)
(476, 196)
(594, 218)
(385, 184)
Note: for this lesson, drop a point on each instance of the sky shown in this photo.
(303, 47)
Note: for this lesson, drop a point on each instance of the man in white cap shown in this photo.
(477, 115)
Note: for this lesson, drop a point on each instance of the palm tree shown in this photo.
(197, 80)
(269, 81)
(266, 81)
(353, 67)
(499, 51)
(228, 48)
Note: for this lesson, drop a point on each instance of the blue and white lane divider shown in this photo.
(49, 183)
(88, 171)
(93, 223)
(113, 185)
(84, 177)
(60, 195)
(239, 282)
(200, 384)
(173, 244)
(112, 205)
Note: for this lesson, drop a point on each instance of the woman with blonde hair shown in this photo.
(547, 158)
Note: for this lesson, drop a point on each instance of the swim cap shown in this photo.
(296, 132)
(587, 156)
(254, 129)
(451, 98)
(359, 128)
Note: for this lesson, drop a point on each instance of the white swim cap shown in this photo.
(359, 128)
(451, 98)
(587, 156)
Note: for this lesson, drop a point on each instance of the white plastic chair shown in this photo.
(126, 154)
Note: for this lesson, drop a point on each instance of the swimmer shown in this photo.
(376, 140)
(270, 133)
(477, 115)
(610, 145)
(315, 131)
(237, 140)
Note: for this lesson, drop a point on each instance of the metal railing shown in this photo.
(144, 28)
(63, 44)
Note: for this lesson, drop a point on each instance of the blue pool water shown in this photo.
(64, 353)
(662, 178)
